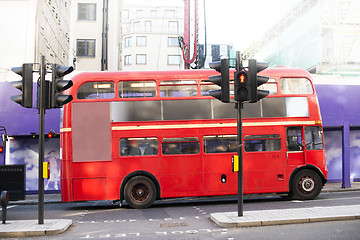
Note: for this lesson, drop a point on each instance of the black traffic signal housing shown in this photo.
(256, 81)
(242, 88)
(221, 80)
(58, 85)
(25, 85)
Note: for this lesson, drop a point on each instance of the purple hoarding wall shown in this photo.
(24, 150)
(339, 106)
(23, 121)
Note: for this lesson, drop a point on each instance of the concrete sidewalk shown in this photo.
(31, 228)
(286, 216)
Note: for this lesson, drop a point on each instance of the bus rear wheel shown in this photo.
(140, 192)
(306, 185)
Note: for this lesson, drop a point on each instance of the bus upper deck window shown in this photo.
(180, 88)
(137, 89)
(96, 90)
(270, 86)
(295, 86)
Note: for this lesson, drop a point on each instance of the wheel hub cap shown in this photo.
(308, 184)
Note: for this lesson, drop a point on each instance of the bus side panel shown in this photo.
(181, 176)
(86, 189)
(218, 176)
(264, 171)
(316, 158)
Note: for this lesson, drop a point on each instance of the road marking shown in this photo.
(222, 231)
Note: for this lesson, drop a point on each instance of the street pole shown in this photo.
(239, 105)
(41, 139)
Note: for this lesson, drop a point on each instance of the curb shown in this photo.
(31, 228)
(286, 216)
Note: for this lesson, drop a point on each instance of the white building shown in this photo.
(150, 31)
(31, 28)
(95, 35)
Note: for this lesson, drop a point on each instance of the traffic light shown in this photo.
(58, 85)
(51, 134)
(242, 88)
(25, 85)
(222, 80)
(256, 81)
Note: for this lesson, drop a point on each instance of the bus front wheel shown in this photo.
(140, 192)
(306, 185)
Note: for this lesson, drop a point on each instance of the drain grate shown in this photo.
(168, 225)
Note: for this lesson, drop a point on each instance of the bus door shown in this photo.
(294, 146)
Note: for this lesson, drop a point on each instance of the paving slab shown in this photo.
(286, 216)
(31, 228)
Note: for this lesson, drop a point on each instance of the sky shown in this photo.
(241, 22)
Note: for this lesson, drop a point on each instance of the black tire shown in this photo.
(306, 185)
(140, 192)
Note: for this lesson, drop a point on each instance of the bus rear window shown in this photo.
(96, 90)
(187, 145)
(295, 86)
(262, 143)
(137, 89)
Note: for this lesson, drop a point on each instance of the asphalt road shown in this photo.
(189, 219)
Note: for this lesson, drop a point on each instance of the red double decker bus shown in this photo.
(142, 136)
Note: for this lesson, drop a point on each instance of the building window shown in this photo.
(140, 59)
(127, 60)
(153, 13)
(173, 59)
(128, 42)
(173, 26)
(85, 47)
(148, 26)
(140, 41)
(136, 26)
(139, 13)
(173, 42)
(169, 13)
(86, 11)
(125, 14)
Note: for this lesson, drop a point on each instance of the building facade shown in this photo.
(31, 29)
(95, 35)
(322, 36)
(150, 34)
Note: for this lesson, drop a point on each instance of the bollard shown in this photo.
(4, 203)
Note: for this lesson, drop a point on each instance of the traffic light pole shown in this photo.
(240, 154)
(41, 139)
(239, 106)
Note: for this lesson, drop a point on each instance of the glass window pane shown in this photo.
(139, 146)
(294, 139)
(220, 143)
(313, 138)
(96, 90)
(178, 88)
(135, 89)
(262, 143)
(180, 146)
(295, 86)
